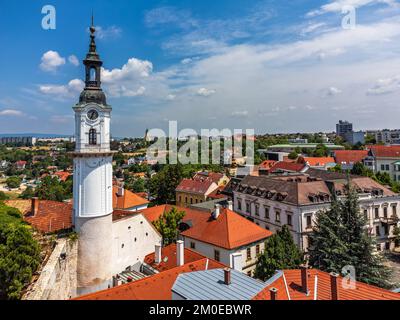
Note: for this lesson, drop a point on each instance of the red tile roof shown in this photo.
(128, 200)
(195, 186)
(385, 151)
(214, 176)
(267, 164)
(287, 166)
(350, 156)
(229, 231)
(289, 285)
(169, 259)
(316, 161)
(52, 216)
(63, 175)
(155, 287)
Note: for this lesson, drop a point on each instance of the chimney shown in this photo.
(180, 253)
(274, 293)
(227, 276)
(35, 206)
(304, 279)
(334, 286)
(230, 205)
(121, 191)
(217, 211)
(157, 254)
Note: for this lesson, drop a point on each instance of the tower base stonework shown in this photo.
(94, 254)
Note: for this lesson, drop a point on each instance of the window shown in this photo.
(192, 245)
(239, 204)
(92, 137)
(185, 199)
(249, 273)
(92, 74)
(366, 214)
(386, 230)
(385, 212)
(377, 231)
(387, 167)
(248, 254)
(387, 245)
(216, 255)
(394, 213)
(278, 216)
(376, 213)
(248, 208)
(180, 198)
(191, 200)
(309, 223)
(257, 249)
(378, 247)
(289, 219)
(382, 167)
(257, 208)
(266, 212)
(197, 200)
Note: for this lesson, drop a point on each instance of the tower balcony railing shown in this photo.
(91, 84)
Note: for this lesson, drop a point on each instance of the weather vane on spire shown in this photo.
(92, 28)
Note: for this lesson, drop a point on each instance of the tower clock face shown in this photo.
(92, 114)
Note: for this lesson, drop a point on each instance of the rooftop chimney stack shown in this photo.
(180, 253)
(274, 293)
(304, 279)
(157, 258)
(35, 206)
(217, 211)
(334, 286)
(121, 191)
(230, 205)
(227, 276)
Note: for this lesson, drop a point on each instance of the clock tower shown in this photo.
(92, 193)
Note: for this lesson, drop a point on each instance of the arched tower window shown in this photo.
(92, 137)
(93, 74)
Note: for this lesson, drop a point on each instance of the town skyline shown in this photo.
(151, 77)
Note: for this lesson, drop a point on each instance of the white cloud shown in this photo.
(385, 86)
(108, 32)
(11, 113)
(205, 92)
(242, 113)
(51, 60)
(187, 61)
(73, 88)
(338, 5)
(171, 97)
(129, 80)
(332, 91)
(72, 59)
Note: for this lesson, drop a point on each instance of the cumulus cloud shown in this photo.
(73, 88)
(11, 113)
(128, 80)
(51, 60)
(206, 92)
(72, 59)
(385, 86)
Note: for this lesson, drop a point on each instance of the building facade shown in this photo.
(272, 202)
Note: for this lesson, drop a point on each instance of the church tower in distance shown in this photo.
(92, 193)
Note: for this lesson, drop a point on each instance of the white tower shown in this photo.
(93, 180)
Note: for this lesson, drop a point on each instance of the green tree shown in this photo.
(162, 186)
(280, 253)
(28, 193)
(19, 253)
(3, 196)
(52, 189)
(339, 239)
(168, 224)
(13, 182)
(293, 155)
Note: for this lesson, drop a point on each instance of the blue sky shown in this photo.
(272, 66)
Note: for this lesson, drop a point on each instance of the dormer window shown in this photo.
(92, 137)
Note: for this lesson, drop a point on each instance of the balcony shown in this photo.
(392, 220)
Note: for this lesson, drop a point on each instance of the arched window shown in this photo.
(92, 74)
(92, 137)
